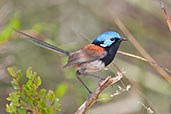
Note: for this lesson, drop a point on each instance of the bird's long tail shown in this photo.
(42, 43)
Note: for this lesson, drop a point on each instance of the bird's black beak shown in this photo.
(124, 39)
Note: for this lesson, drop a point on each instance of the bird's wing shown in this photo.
(86, 54)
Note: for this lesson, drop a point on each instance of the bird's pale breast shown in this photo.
(93, 66)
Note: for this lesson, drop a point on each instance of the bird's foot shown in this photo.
(102, 79)
(90, 92)
(89, 96)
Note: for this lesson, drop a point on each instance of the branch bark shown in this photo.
(93, 97)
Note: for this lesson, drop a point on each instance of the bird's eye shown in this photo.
(112, 39)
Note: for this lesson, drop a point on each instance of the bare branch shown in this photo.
(165, 14)
(92, 98)
(141, 50)
(143, 59)
(135, 86)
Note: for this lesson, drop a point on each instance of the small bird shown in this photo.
(90, 58)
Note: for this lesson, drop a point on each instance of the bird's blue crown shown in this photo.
(107, 38)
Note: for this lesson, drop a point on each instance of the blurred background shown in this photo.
(60, 22)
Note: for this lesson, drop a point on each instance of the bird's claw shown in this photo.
(102, 79)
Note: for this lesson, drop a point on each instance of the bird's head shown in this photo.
(106, 39)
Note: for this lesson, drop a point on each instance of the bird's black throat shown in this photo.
(111, 52)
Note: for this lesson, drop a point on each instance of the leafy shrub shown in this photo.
(27, 98)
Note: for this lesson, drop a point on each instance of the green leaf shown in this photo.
(34, 75)
(18, 92)
(35, 102)
(29, 73)
(61, 89)
(42, 92)
(29, 84)
(31, 106)
(22, 98)
(44, 111)
(11, 71)
(58, 108)
(15, 22)
(34, 88)
(31, 93)
(5, 35)
(19, 74)
(21, 110)
(50, 110)
(24, 91)
(23, 101)
(38, 81)
(15, 84)
(51, 95)
(15, 103)
(29, 99)
(13, 107)
(8, 108)
(12, 97)
(42, 104)
(54, 101)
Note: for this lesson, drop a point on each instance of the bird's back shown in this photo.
(87, 57)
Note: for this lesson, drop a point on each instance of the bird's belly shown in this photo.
(93, 66)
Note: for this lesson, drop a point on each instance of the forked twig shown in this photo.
(93, 97)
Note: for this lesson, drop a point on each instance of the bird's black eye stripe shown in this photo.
(112, 39)
(102, 42)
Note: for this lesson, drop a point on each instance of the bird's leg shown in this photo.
(78, 77)
(93, 75)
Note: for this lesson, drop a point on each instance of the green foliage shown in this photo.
(27, 98)
(61, 89)
(15, 23)
(37, 27)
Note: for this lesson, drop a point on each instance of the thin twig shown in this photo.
(18, 83)
(35, 110)
(145, 108)
(135, 86)
(142, 58)
(165, 14)
(82, 35)
(141, 50)
(93, 97)
(121, 81)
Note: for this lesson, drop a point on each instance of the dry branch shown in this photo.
(135, 86)
(143, 59)
(141, 50)
(165, 14)
(93, 97)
